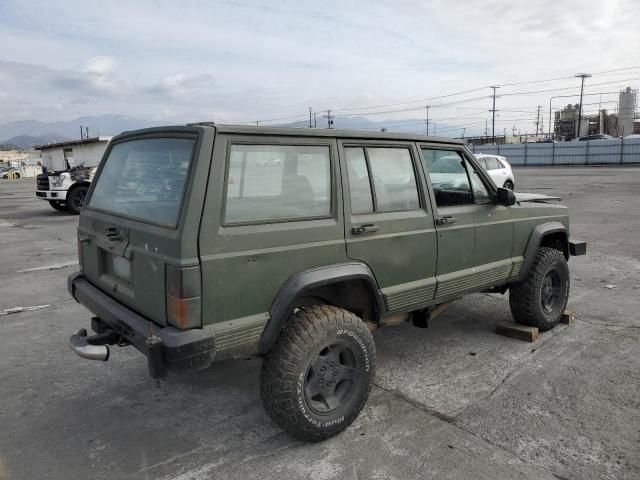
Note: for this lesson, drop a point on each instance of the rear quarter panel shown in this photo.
(244, 266)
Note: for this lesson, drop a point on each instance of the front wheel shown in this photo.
(58, 205)
(75, 199)
(508, 185)
(317, 377)
(541, 297)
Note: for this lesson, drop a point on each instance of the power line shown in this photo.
(365, 109)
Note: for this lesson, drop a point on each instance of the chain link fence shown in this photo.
(592, 152)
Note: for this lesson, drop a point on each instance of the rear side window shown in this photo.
(144, 179)
(277, 183)
(493, 163)
(390, 171)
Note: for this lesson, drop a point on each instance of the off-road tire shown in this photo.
(75, 199)
(58, 205)
(526, 298)
(289, 365)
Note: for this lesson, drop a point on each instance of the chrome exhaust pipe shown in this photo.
(81, 347)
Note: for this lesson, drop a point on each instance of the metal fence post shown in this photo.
(553, 153)
(586, 153)
(621, 150)
(525, 153)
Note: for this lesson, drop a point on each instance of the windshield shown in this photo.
(144, 179)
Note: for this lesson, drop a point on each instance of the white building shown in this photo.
(74, 153)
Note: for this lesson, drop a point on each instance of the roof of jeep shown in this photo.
(300, 132)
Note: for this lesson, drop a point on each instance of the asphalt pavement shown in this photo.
(455, 401)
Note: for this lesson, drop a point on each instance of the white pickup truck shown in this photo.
(68, 169)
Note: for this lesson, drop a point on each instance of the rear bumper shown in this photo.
(60, 195)
(180, 349)
(577, 247)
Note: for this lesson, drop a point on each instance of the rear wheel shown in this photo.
(58, 205)
(317, 377)
(75, 199)
(508, 185)
(541, 297)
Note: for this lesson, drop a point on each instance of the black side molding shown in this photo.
(296, 285)
(577, 247)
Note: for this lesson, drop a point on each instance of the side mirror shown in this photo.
(506, 197)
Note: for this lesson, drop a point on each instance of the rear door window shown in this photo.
(144, 179)
(390, 171)
(267, 183)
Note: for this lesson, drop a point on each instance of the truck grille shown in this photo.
(42, 182)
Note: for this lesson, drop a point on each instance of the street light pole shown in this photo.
(582, 76)
(493, 112)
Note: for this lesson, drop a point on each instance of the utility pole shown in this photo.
(329, 118)
(310, 115)
(427, 107)
(315, 120)
(513, 131)
(582, 76)
(257, 123)
(81, 132)
(538, 121)
(493, 114)
(463, 130)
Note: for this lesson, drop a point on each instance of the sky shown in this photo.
(242, 61)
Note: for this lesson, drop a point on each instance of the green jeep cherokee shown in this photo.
(206, 242)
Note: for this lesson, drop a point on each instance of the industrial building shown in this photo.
(618, 124)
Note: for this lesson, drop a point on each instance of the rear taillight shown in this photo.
(183, 297)
(80, 259)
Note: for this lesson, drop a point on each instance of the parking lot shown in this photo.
(451, 401)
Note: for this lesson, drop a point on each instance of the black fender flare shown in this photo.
(535, 239)
(301, 282)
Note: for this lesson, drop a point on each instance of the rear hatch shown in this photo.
(140, 216)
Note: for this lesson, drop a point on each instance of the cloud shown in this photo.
(242, 60)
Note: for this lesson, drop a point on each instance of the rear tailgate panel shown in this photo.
(126, 258)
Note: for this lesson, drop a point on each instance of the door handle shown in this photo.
(368, 228)
(112, 233)
(445, 220)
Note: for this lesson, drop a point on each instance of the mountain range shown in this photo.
(27, 133)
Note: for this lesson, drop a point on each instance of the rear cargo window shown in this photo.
(144, 179)
(277, 183)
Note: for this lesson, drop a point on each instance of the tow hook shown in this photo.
(94, 347)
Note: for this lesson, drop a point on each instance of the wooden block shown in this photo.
(568, 317)
(395, 319)
(521, 332)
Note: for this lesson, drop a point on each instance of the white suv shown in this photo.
(498, 169)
